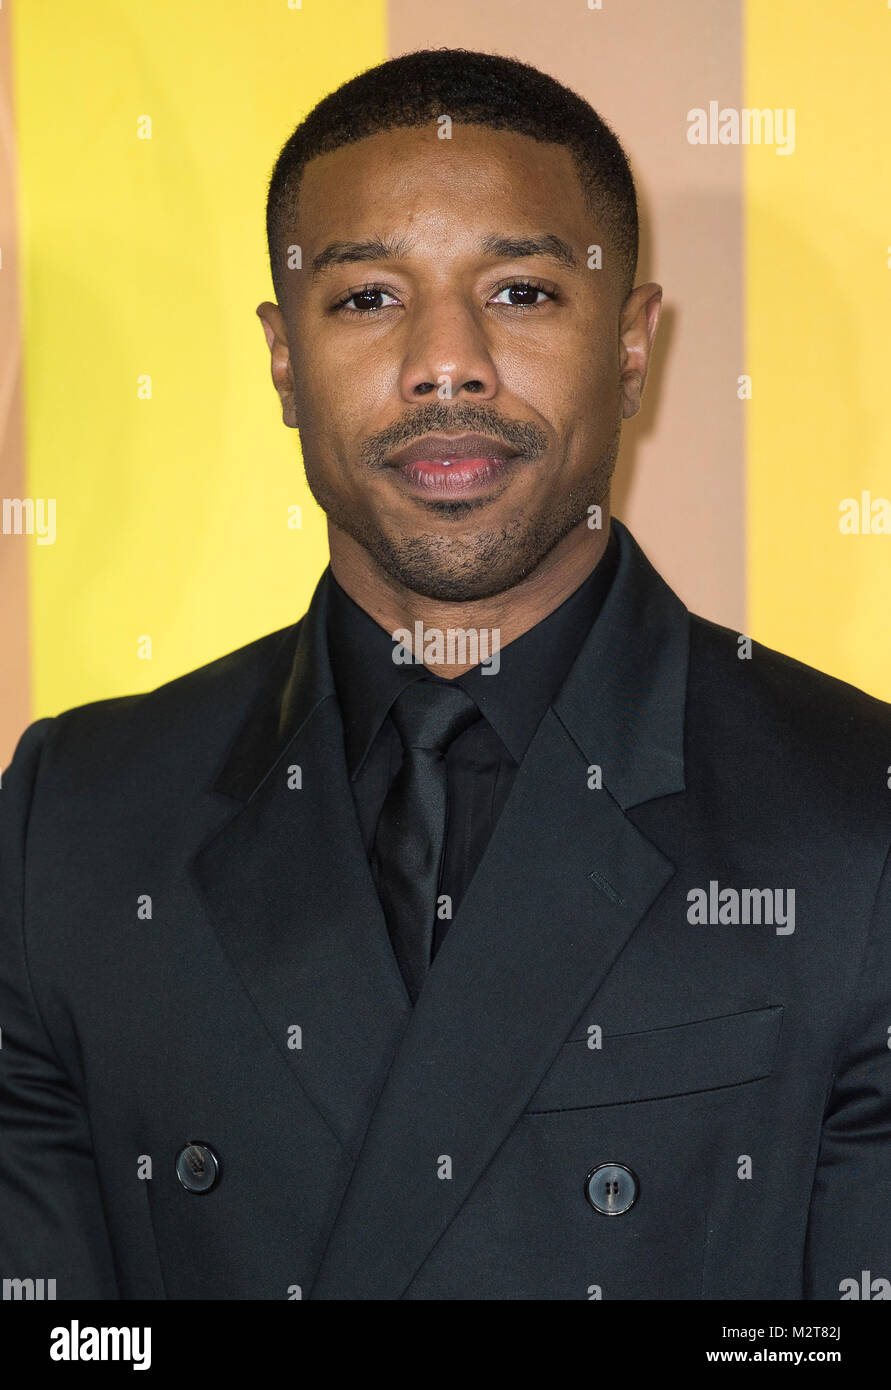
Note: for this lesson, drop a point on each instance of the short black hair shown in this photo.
(472, 88)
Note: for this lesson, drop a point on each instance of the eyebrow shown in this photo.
(516, 248)
(504, 248)
(343, 252)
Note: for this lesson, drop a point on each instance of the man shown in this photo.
(367, 963)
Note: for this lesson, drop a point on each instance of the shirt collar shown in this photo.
(513, 699)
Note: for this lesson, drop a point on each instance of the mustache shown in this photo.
(435, 418)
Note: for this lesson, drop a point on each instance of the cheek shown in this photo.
(350, 391)
(578, 401)
(557, 367)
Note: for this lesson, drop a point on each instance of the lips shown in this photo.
(468, 464)
(439, 448)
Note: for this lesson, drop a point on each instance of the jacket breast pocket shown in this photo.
(661, 1062)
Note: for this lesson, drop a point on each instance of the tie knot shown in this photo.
(429, 714)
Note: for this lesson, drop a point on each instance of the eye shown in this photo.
(522, 295)
(367, 300)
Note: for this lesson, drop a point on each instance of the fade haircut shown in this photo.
(471, 88)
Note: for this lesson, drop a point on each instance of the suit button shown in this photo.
(611, 1188)
(197, 1167)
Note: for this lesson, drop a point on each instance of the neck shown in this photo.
(508, 614)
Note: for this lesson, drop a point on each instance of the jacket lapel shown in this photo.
(564, 881)
(290, 893)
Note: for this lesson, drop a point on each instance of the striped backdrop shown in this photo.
(136, 409)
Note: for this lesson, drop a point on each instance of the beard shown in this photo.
(477, 566)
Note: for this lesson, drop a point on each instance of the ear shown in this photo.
(637, 329)
(272, 319)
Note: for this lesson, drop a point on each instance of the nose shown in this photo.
(447, 354)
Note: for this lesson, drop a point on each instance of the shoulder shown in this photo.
(738, 669)
(184, 724)
(794, 729)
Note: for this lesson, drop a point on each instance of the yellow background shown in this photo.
(149, 257)
(818, 240)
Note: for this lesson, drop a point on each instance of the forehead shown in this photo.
(411, 181)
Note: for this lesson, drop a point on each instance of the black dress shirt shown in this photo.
(482, 761)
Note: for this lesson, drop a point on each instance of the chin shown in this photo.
(460, 579)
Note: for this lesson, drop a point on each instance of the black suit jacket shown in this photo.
(372, 1151)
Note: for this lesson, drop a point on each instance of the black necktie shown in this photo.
(411, 828)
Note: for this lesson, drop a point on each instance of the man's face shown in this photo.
(418, 312)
